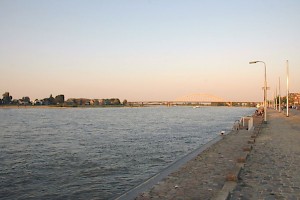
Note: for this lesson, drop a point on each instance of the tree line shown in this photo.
(7, 99)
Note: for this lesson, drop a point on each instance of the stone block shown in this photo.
(231, 177)
(241, 160)
(247, 149)
(251, 141)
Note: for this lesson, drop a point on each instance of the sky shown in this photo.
(143, 50)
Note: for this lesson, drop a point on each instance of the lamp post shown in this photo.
(279, 97)
(276, 99)
(287, 88)
(265, 90)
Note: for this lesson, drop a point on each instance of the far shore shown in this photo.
(54, 106)
(29, 106)
(102, 106)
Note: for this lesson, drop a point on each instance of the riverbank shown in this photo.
(28, 107)
(260, 164)
(55, 106)
(206, 175)
(108, 106)
(272, 168)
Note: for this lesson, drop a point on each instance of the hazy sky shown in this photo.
(147, 49)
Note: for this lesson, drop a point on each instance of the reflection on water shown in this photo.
(98, 153)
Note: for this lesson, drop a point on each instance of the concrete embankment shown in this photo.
(211, 174)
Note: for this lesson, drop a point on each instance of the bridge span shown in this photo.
(195, 100)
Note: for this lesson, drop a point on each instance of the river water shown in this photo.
(98, 153)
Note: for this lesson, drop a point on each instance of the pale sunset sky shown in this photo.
(148, 49)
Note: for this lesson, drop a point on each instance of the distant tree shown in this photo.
(45, 101)
(283, 100)
(115, 101)
(60, 99)
(125, 102)
(85, 102)
(37, 102)
(15, 101)
(51, 100)
(102, 102)
(26, 100)
(75, 102)
(6, 98)
(107, 102)
(96, 102)
(79, 101)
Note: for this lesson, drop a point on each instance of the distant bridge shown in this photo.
(205, 99)
(199, 98)
(194, 99)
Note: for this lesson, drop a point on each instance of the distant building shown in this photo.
(70, 102)
(295, 98)
(101, 102)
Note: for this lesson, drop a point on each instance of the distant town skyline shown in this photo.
(148, 50)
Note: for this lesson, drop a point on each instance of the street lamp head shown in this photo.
(253, 62)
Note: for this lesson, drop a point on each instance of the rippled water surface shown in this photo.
(98, 153)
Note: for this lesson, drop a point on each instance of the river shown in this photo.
(98, 153)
